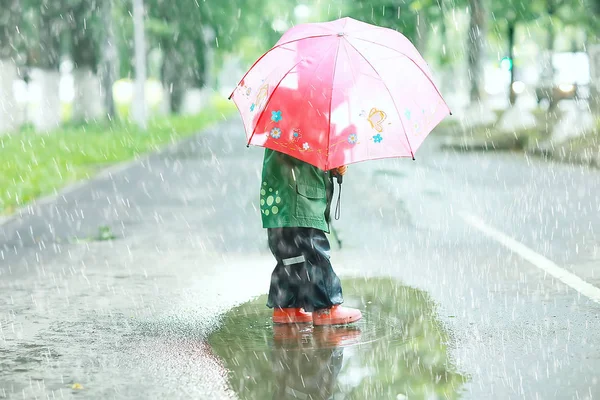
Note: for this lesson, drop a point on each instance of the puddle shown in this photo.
(397, 351)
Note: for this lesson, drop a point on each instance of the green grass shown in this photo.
(34, 164)
(490, 137)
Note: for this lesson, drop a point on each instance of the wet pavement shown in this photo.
(146, 315)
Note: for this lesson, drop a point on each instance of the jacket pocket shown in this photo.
(310, 191)
(311, 201)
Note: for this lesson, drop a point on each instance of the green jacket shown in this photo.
(294, 193)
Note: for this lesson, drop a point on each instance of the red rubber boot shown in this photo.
(291, 316)
(336, 315)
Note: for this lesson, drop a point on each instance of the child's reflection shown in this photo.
(306, 360)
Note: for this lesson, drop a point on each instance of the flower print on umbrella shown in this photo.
(252, 107)
(296, 135)
(306, 146)
(276, 116)
(275, 133)
(377, 138)
(353, 138)
(407, 113)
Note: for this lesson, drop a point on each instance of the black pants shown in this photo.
(303, 277)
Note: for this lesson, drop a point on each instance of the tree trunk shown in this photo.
(548, 72)
(200, 74)
(44, 56)
(109, 68)
(511, 55)
(173, 78)
(87, 103)
(8, 106)
(9, 18)
(475, 48)
(46, 51)
(139, 107)
(44, 109)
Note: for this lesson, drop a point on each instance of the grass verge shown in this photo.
(487, 137)
(582, 149)
(34, 164)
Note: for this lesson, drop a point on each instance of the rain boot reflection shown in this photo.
(306, 360)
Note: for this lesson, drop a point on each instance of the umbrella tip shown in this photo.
(413, 155)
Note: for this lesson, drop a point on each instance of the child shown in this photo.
(295, 204)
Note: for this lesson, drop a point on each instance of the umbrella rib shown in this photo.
(269, 99)
(410, 58)
(277, 46)
(337, 52)
(391, 97)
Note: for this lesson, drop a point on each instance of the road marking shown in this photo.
(536, 259)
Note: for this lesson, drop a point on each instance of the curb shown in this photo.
(465, 143)
(570, 158)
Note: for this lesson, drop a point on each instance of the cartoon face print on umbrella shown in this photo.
(376, 118)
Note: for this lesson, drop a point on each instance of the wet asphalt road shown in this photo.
(130, 318)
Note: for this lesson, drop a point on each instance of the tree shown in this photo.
(179, 29)
(9, 19)
(475, 50)
(86, 34)
(398, 15)
(43, 43)
(109, 58)
(508, 15)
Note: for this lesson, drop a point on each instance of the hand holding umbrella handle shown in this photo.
(339, 173)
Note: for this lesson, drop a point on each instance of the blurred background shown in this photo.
(64, 60)
(110, 289)
(524, 70)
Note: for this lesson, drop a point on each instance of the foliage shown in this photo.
(8, 17)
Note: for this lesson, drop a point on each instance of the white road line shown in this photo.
(536, 259)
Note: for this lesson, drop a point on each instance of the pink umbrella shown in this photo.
(340, 92)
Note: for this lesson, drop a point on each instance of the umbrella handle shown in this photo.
(338, 204)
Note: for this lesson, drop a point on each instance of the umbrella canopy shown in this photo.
(340, 92)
